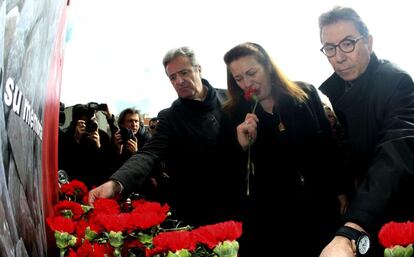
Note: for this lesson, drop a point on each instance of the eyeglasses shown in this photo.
(347, 45)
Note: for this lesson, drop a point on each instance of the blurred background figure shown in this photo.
(131, 134)
(86, 152)
(337, 129)
(152, 125)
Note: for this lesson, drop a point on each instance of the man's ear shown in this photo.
(370, 41)
(199, 68)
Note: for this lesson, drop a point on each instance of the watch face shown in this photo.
(363, 244)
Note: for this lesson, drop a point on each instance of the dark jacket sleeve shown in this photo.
(393, 160)
(134, 171)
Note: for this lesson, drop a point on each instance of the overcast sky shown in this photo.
(114, 49)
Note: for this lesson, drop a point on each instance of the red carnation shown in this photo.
(174, 241)
(116, 223)
(396, 233)
(74, 188)
(251, 94)
(143, 206)
(106, 206)
(147, 214)
(61, 224)
(211, 235)
(68, 209)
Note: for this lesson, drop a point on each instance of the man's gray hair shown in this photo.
(181, 51)
(339, 13)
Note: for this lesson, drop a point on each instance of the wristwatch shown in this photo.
(362, 240)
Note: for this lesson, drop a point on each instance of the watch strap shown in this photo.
(354, 234)
(348, 232)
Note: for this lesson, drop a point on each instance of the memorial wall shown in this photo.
(32, 34)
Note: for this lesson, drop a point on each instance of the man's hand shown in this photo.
(339, 247)
(94, 136)
(132, 145)
(106, 190)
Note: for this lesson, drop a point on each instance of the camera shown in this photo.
(91, 126)
(92, 107)
(97, 107)
(126, 134)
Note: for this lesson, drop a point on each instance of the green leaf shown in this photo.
(64, 239)
(145, 239)
(179, 253)
(227, 249)
(116, 239)
(90, 234)
(399, 251)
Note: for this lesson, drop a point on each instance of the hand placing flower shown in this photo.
(250, 95)
(397, 239)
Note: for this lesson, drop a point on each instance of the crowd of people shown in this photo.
(334, 172)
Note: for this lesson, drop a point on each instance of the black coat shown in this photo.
(84, 161)
(186, 139)
(378, 117)
(295, 175)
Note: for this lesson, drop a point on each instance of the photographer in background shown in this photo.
(130, 137)
(86, 152)
(131, 134)
(152, 125)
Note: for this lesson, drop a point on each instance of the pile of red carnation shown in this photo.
(112, 228)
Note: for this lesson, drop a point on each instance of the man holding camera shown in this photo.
(131, 134)
(86, 152)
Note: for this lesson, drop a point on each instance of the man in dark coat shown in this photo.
(86, 151)
(374, 101)
(186, 140)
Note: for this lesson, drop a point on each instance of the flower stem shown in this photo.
(250, 165)
(248, 170)
(62, 252)
(255, 105)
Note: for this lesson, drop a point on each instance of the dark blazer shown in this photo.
(186, 139)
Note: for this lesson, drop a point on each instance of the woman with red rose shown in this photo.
(281, 131)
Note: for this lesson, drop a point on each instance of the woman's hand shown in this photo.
(247, 131)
